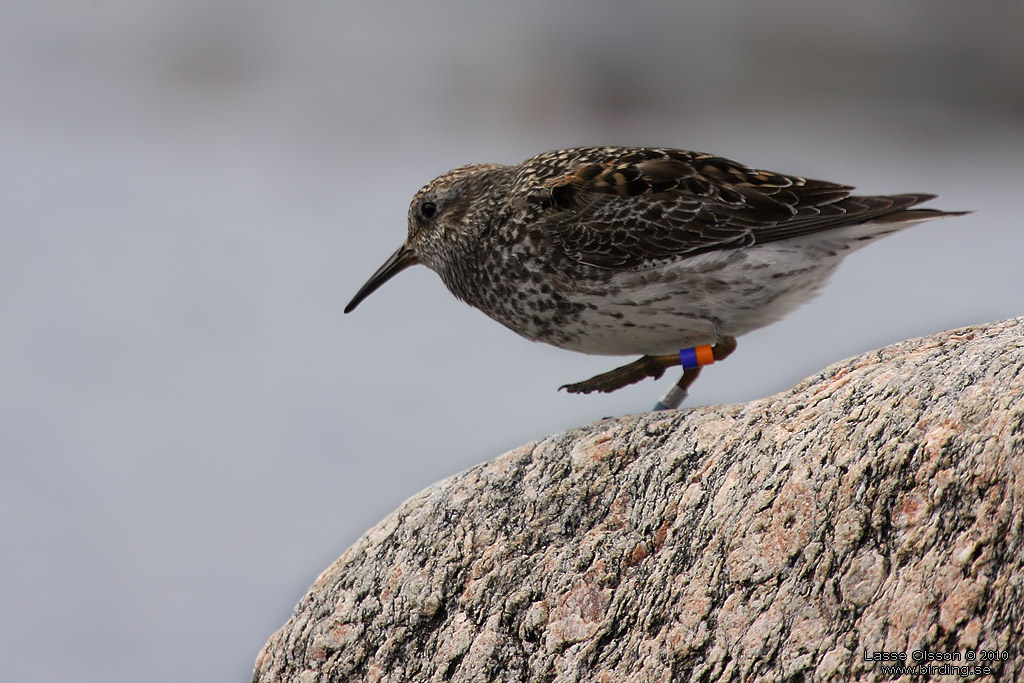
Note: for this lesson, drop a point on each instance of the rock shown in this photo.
(874, 508)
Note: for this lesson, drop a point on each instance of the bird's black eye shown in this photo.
(428, 210)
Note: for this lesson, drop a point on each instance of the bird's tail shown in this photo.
(898, 215)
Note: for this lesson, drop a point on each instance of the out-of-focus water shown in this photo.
(190, 429)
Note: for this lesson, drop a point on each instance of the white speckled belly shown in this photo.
(703, 298)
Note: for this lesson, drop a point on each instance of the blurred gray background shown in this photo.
(191, 430)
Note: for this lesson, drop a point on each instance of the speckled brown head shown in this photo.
(442, 215)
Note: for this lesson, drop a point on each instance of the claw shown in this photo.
(645, 366)
(607, 382)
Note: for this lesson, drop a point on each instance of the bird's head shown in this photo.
(446, 214)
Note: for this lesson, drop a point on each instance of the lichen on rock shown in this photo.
(875, 507)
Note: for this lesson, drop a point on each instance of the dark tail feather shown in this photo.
(902, 212)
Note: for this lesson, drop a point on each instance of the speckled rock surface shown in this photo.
(874, 507)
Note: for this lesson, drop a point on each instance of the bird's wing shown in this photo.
(631, 208)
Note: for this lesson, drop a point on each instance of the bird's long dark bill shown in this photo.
(399, 261)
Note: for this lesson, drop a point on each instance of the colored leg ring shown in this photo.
(696, 356)
(672, 399)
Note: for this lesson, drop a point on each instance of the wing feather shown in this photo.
(624, 208)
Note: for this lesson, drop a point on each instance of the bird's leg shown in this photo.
(675, 396)
(650, 366)
(647, 366)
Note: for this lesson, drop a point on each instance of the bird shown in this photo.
(664, 253)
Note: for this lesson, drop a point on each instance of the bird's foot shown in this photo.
(655, 366)
(606, 382)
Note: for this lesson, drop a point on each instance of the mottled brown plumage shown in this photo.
(617, 250)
